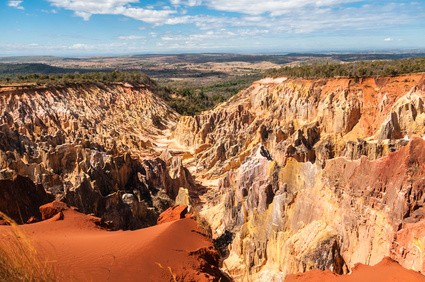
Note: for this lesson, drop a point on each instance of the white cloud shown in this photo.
(52, 11)
(130, 37)
(15, 4)
(268, 23)
(292, 16)
(190, 3)
(274, 7)
(306, 21)
(85, 15)
(80, 46)
(85, 9)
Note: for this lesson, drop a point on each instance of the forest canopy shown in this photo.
(352, 69)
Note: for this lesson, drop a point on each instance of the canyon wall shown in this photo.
(94, 146)
(291, 174)
(314, 174)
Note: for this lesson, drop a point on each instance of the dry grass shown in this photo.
(169, 270)
(19, 260)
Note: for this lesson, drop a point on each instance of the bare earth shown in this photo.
(81, 251)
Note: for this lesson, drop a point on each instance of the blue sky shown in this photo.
(105, 27)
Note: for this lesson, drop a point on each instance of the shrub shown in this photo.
(354, 69)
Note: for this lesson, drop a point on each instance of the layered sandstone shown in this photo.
(307, 120)
(314, 174)
(94, 146)
(299, 174)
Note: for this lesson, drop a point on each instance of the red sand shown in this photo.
(81, 251)
(171, 214)
(385, 271)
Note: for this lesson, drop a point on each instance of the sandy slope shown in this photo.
(81, 251)
(385, 271)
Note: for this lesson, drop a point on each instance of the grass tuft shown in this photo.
(19, 260)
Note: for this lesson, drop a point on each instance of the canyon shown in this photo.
(290, 175)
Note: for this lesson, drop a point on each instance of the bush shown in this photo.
(354, 69)
(71, 78)
(191, 99)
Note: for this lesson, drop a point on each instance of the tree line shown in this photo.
(353, 69)
(58, 79)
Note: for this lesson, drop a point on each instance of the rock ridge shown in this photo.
(313, 174)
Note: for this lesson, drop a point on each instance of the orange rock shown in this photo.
(172, 214)
(51, 209)
(32, 219)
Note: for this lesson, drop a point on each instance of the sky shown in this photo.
(119, 27)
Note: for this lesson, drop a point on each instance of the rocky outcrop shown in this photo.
(96, 147)
(20, 199)
(49, 210)
(348, 212)
(299, 174)
(306, 120)
(112, 117)
(313, 174)
(172, 214)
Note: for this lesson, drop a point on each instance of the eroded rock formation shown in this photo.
(96, 147)
(298, 174)
(20, 199)
(317, 174)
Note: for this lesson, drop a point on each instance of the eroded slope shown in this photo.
(96, 146)
(314, 174)
(303, 174)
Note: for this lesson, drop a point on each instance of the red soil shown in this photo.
(385, 271)
(79, 250)
(172, 214)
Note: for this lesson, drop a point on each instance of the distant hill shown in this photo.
(278, 59)
(30, 68)
(350, 57)
(29, 59)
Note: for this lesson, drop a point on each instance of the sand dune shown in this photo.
(79, 250)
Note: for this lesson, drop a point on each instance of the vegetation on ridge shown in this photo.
(61, 79)
(186, 99)
(191, 99)
(354, 69)
(193, 96)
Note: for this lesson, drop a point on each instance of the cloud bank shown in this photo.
(223, 24)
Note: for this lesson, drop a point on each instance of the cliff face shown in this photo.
(314, 174)
(307, 120)
(96, 147)
(300, 174)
